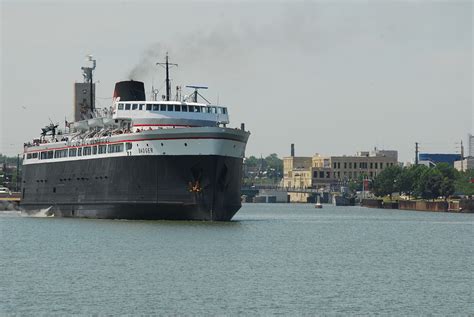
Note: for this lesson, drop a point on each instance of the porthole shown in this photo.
(161, 144)
(185, 144)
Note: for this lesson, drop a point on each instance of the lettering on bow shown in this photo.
(145, 150)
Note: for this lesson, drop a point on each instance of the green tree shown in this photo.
(274, 166)
(408, 179)
(463, 183)
(386, 181)
(251, 161)
(449, 176)
(429, 184)
(405, 180)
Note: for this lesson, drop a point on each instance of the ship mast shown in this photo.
(168, 83)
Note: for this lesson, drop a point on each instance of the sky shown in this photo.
(333, 77)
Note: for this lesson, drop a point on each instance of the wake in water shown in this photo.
(42, 213)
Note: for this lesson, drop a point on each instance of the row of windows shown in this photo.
(325, 174)
(362, 165)
(82, 151)
(175, 108)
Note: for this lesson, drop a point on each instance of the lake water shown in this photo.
(271, 259)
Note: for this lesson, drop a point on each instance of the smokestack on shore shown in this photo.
(292, 149)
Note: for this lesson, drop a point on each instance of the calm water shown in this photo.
(272, 259)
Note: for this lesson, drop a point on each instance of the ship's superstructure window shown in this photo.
(184, 108)
(120, 106)
(60, 153)
(170, 107)
(115, 148)
(134, 106)
(28, 156)
(72, 152)
(87, 150)
(177, 107)
(47, 155)
(94, 149)
(162, 107)
(127, 106)
(140, 106)
(79, 151)
(156, 107)
(129, 146)
(148, 107)
(191, 108)
(102, 149)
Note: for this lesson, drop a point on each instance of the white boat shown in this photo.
(318, 203)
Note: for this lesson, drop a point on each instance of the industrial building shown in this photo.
(431, 159)
(326, 171)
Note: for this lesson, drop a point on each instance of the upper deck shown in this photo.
(170, 111)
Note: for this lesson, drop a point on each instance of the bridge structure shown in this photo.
(256, 188)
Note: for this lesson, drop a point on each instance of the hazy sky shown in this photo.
(331, 77)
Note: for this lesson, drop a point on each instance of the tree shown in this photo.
(251, 161)
(463, 183)
(429, 184)
(449, 175)
(274, 166)
(386, 182)
(406, 180)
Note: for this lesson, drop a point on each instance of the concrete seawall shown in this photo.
(464, 205)
(422, 205)
(372, 203)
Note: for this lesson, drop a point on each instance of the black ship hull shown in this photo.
(188, 187)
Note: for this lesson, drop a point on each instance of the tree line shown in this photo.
(268, 170)
(420, 181)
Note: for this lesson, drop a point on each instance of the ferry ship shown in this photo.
(138, 159)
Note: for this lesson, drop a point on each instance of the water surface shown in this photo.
(271, 259)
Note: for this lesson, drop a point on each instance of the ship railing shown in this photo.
(103, 112)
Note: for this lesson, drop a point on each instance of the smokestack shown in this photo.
(292, 149)
(130, 91)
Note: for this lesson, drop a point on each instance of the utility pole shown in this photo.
(416, 153)
(17, 171)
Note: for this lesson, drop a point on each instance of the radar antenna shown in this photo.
(168, 84)
(196, 93)
(49, 128)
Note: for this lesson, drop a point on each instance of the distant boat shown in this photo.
(318, 203)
